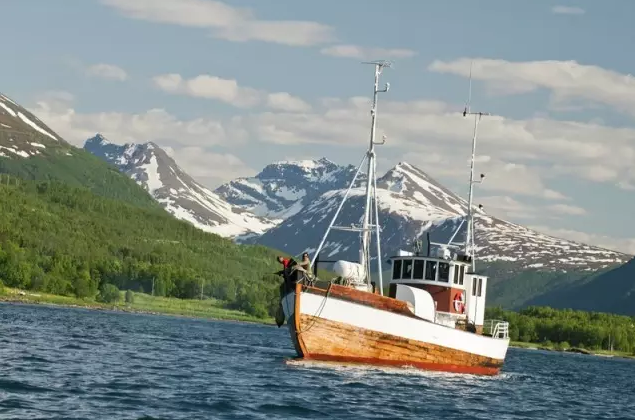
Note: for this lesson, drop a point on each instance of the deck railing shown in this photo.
(496, 328)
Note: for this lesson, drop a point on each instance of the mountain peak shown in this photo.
(283, 188)
(98, 139)
(307, 164)
(20, 122)
(151, 167)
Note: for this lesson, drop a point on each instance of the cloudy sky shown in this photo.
(228, 87)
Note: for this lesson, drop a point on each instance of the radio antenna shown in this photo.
(469, 234)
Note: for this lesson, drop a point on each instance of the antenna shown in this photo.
(469, 95)
(469, 234)
(379, 67)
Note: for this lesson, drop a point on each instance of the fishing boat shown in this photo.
(433, 315)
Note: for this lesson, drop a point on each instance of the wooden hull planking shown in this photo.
(341, 329)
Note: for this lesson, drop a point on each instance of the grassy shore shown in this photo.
(556, 347)
(143, 303)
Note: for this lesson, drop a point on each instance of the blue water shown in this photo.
(73, 363)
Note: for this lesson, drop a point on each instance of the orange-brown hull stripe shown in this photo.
(476, 370)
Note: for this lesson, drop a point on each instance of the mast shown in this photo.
(371, 209)
(364, 252)
(469, 233)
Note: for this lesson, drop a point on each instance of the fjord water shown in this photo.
(76, 363)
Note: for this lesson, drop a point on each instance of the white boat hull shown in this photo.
(347, 325)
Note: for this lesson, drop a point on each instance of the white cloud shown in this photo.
(210, 87)
(523, 153)
(207, 167)
(189, 142)
(506, 208)
(285, 102)
(516, 179)
(626, 245)
(153, 125)
(509, 208)
(107, 71)
(228, 91)
(567, 209)
(225, 21)
(363, 53)
(566, 79)
(567, 10)
(592, 172)
(625, 185)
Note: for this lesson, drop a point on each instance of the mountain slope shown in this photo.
(606, 291)
(151, 167)
(64, 240)
(282, 189)
(31, 150)
(412, 203)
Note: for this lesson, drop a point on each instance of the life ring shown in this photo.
(459, 305)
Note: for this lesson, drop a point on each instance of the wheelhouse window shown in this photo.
(406, 272)
(431, 270)
(396, 269)
(418, 269)
(456, 274)
(461, 275)
(444, 272)
(476, 286)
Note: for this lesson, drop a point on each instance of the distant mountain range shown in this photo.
(151, 167)
(411, 203)
(288, 206)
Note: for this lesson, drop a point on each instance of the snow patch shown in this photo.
(21, 153)
(35, 126)
(9, 110)
(152, 172)
(6, 98)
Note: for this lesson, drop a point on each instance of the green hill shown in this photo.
(64, 240)
(78, 168)
(29, 149)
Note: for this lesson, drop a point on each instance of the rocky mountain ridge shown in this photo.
(182, 196)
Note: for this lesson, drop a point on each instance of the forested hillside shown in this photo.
(566, 327)
(78, 168)
(66, 240)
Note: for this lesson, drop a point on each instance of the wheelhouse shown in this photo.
(458, 293)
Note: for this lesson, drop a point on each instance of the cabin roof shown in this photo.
(426, 257)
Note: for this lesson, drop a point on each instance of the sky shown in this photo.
(229, 87)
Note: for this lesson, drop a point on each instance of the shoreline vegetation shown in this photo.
(141, 303)
(212, 309)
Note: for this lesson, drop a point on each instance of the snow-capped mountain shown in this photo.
(151, 167)
(411, 203)
(22, 134)
(282, 189)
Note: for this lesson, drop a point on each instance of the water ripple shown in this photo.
(62, 363)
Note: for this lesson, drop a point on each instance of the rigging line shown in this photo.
(319, 310)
